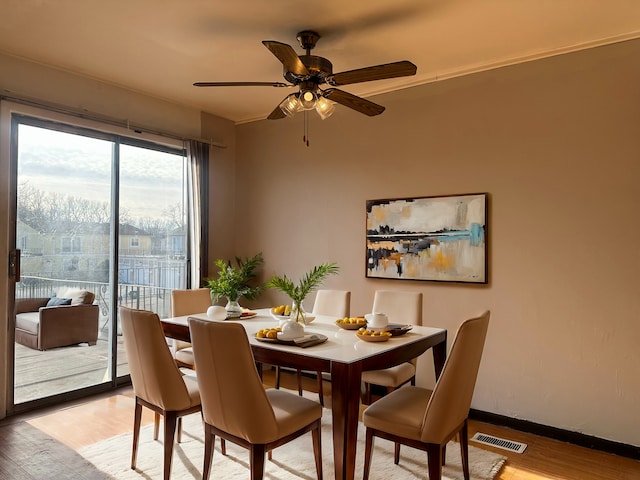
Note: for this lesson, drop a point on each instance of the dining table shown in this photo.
(343, 355)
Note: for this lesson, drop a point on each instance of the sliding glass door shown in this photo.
(97, 213)
(153, 231)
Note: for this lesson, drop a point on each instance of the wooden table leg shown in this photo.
(345, 404)
(439, 356)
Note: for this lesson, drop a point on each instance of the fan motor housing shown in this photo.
(319, 68)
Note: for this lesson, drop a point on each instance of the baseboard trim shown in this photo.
(576, 438)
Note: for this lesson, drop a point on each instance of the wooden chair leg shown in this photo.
(299, 378)
(179, 429)
(156, 425)
(464, 449)
(396, 453)
(137, 418)
(257, 461)
(367, 454)
(209, 439)
(277, 376)
(223, 446)
(317, 448)
(367, 393)
(170, 420)
(320, 388)
(434, 457)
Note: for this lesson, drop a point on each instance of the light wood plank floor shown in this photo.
(88, 422)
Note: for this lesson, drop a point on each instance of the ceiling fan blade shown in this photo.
(277, 113)
(378, 72)
(352, 101)
(287, 55)
(241, 84)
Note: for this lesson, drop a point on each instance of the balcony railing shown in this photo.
(144, 297)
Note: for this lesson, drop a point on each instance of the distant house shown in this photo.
(134, 241)
(75, 251)
(174, 243)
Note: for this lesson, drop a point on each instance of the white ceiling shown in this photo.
(160, 47)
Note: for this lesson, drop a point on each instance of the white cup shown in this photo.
(376, 320)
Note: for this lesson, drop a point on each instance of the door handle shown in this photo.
(14, 265)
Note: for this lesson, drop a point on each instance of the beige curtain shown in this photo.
(198, 199)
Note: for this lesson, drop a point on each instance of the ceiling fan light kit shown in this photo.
(325, 108)
(290, 105)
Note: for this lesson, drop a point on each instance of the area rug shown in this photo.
(293, 461)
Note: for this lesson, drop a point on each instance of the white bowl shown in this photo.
(281, 318)
(284, 318)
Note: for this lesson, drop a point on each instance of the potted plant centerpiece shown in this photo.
(309, 282)
(235, 282)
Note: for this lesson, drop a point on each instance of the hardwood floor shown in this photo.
(43, 444)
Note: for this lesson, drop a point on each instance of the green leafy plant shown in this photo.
(235, 282)
(309, 281)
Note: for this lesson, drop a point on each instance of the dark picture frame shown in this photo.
(436, 238)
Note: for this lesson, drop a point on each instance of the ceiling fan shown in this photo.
(308, 72)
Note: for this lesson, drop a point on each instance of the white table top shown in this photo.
(342, 345)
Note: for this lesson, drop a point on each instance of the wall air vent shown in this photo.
(510, 445)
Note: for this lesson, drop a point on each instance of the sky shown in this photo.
(68, 164)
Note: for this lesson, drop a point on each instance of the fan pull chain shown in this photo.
(305, 136)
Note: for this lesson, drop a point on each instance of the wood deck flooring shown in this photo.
(40, 374)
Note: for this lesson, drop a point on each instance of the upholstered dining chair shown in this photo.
(242, 411)
(187, 302)
(333, 303)
(157, 381)
(401, 307)
(426, 419)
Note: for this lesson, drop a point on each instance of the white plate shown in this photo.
(279, 317)
(283, 318)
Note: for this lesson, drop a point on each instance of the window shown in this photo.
(66, 197)
(70, 245)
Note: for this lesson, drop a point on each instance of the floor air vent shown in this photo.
(510, 445)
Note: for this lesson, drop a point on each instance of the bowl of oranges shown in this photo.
(351, 323)
(268, 334)
(282, 313)
(373, 335)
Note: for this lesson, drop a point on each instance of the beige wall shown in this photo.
(222, 190)
(556, 145)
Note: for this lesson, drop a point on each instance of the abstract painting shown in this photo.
(428, 238)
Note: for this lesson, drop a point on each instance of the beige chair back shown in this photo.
(154, 374)
(233, 397)
(399, 306)
(334, 303)
(451, 398)
(190, 302)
